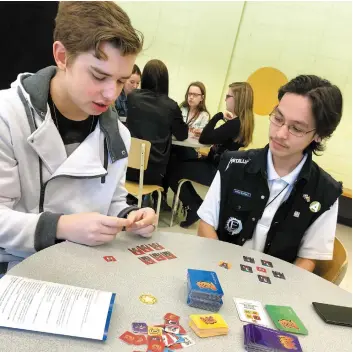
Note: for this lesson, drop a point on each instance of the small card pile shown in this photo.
(204, 290)
(258, 338)
(251, 312)
(206, 325)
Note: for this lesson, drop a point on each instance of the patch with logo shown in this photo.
(242, 193)
(315, 207)
(237, 161)
(233, 226)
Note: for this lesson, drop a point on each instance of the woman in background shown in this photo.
(155, 117)
(235, 133)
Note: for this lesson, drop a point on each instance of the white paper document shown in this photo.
(54, 308)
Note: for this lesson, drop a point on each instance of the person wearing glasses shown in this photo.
(235, 133)
(277, 200)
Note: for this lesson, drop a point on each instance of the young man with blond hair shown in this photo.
(63, 152)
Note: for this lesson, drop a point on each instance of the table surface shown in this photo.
(78, 265)
(189, 142)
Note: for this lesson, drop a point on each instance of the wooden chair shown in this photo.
(333, 270)
(138, 159)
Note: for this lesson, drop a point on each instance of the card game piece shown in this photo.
(147, 260)
(249, 259)
(251, 312)
(146, 248)
(140, 340)
(207, 325)
(168, 255)
(128, 337)
(155, 344)
(264, 279)
(171, 316)
(156, 246)
(258, 338)
(188, 341)
(225, 265)
(266, 263)
(263, 270)
(173, 329)
(154, 331)
(285, 319)
(148, 299)
(136, 251)
(246, 268)
(109, 258)
(139, 328)
(158, 256)
(278, 275)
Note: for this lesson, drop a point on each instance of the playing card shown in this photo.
(155, 345)
(158, 256)
(146, 248)
(264, 279)
(278, 275)
(171, 316)
(251, 312)
(225, 265)
(128, 337)
(140, 340)
(263, 270)
(188, 341)
(139, 328)
(285, 319)
(147, 260)
(169, 255)
(136, 251)
(156, 246)
(109, 258)
(246, 268)
(266, 263)
(154, 331)
(249, 259)
(173, 329)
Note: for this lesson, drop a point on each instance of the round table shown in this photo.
(78, 265)
(189, 142)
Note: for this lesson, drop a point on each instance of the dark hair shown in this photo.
(326, 105)
(136, 70)
(155, 77)
(202, 105)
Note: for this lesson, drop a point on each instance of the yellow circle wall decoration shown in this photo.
(265, 83)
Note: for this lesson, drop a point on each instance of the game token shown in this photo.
(148, 299)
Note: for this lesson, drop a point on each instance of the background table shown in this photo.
(78, 265)
(189, 142)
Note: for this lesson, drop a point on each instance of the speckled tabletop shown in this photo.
(73, 264)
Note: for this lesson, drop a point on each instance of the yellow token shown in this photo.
(154, 331)
(148, 299)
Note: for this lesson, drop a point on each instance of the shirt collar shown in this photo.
(291, 177)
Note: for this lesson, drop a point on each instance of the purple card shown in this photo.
(270, 338)
(139, 328)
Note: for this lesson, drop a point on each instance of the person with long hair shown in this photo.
(235, 133)
(155, 117)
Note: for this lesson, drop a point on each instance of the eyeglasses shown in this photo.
(194, 95)
(295, 130)
(229, 96)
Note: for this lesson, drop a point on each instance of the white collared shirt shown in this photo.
(318, 240)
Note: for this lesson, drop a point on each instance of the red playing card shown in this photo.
(263, 270)
(158, 256)
(169, 255)
(140, 340)
(128, 337)
(109, 258)
(182, 331)
(156, 246)
(147, 260)
(171, 316)
(169, 339)
(176, 346)
(147, 248)
(136, 251)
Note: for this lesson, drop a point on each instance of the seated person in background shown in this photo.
(235, 133)
(155, 117)
(63, 152)
(277, 200)
(131, 83)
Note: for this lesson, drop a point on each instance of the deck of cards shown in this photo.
(258, 338)
(204, 290)
(206, 325)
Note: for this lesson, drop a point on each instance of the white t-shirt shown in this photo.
(199, 123)
(318, 240)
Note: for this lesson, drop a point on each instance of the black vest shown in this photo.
(245, 192)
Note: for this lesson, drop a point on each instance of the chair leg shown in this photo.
(158, 206)
(176, 202)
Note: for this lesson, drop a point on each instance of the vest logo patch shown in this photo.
(296, 214)
(233, 226)
(242, 193)
(236, 161)
(315, 207)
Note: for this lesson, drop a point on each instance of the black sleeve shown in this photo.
(180, 129)
(222, 134)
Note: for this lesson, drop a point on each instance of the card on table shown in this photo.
(246, 268)
(169, 255)
(278, 275)
(285, 319)
(140, 340)
(155, 344)
(173, 329)
(262, 270)
(147, 260)
(251, 312)
(156, 246)
(145, 248)
(109, 258)
(171, 316)
(128, 337)
(158, 256)
(264, 279)
(139, 328)
(266, 263)
(188, 341)
(136, 251)
(249, 259)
